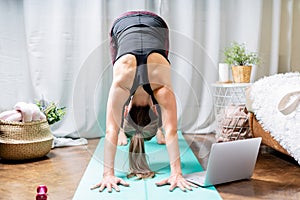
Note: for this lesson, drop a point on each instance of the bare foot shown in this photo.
(122, 139)
(160, 137)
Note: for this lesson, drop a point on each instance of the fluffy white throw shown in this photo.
(266, 94)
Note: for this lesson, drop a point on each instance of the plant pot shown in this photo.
(241, 74)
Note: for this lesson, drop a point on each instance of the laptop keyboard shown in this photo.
(197, 178)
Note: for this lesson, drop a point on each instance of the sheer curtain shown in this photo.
(59, 51)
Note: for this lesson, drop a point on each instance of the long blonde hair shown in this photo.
(138, 164)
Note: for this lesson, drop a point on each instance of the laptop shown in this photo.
(228, 161)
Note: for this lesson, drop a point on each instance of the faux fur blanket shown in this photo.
(266, 94)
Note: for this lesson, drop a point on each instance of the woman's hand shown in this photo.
(110, 182)
(177, 180)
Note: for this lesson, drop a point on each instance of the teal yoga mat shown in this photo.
(143, 189)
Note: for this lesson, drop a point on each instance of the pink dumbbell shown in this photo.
(41, 192)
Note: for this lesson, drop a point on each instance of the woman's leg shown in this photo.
(160, 137)
(122, 139)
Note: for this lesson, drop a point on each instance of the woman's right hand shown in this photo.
(109, 182)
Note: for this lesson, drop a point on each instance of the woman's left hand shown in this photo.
(177, 180)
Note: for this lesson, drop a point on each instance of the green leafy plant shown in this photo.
(52, 112)
(236, 54)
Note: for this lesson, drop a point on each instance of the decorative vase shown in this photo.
(223, 73)
(241, 74)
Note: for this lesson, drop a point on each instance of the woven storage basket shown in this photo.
(20, 141)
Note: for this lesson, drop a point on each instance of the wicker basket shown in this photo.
(20, 141)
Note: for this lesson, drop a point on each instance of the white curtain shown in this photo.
(59, 50)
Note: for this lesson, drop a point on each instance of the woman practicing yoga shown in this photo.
(141, 79)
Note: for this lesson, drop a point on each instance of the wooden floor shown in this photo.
(275, 175)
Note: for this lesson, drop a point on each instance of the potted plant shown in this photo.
(241, 62)
(51, 111)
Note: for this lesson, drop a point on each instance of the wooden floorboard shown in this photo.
(275, 177)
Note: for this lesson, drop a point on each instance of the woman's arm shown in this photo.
(159, 71)
(167, 101)
(123, 75)
(116, 100)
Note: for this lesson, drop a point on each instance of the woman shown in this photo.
(139, 47)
